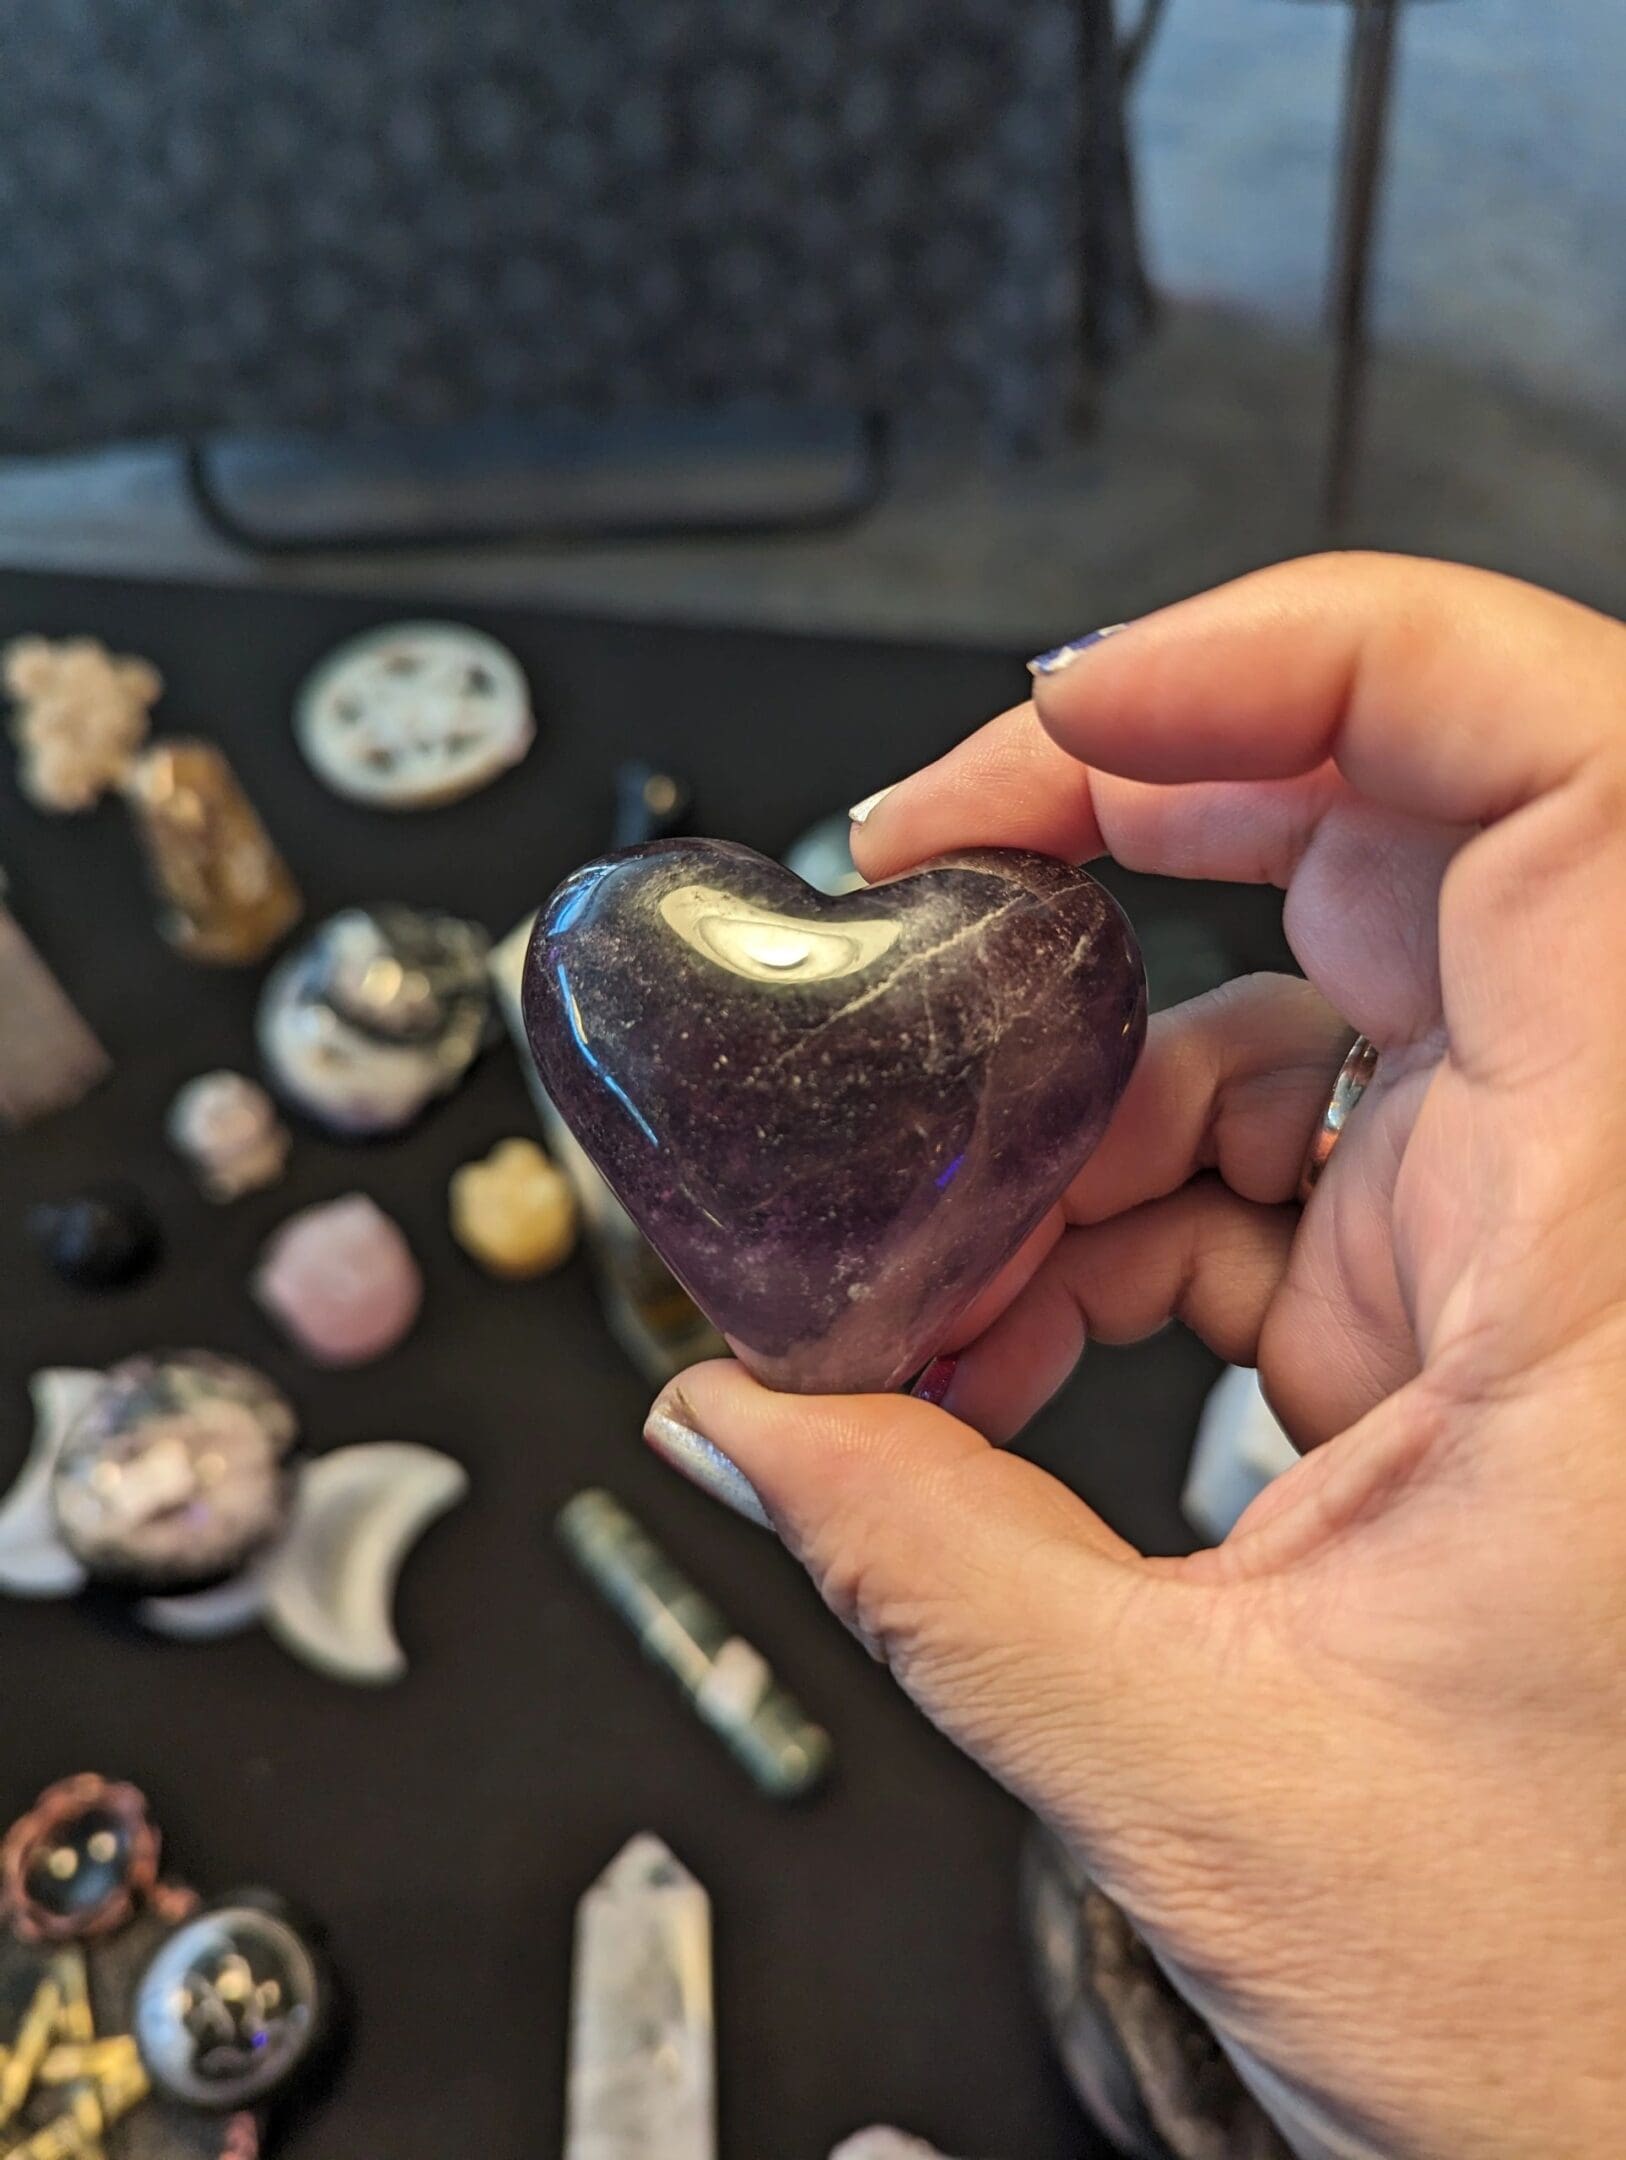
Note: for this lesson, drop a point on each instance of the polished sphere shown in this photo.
(176, 1473)
(230, 2007)
(98, 1240)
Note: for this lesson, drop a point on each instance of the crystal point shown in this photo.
(645, 1862)
(641, 2050)
(835, 1118)
(225, 894)
(881, 2142)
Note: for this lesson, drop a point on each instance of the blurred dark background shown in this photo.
(1040, 286)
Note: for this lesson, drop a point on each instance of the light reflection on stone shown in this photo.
(765, 947)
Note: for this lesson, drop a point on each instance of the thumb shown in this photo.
(1079, 1674)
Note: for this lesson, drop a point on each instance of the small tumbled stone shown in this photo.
(341, 1280)
(515, 1213)
(228, 1129)
(99, 1240)
(835, 1118)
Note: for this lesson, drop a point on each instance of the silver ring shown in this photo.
(1354, 1077)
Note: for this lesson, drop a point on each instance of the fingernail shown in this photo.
(861, 810)
(672, 1433)
(1052, 663)
(935, 1382)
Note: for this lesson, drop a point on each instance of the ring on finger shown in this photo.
(1354, 1077)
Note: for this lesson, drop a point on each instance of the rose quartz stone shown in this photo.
(341, 1280)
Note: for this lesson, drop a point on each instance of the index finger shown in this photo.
(1218, 733)
(1449, 694)
(1442, 692)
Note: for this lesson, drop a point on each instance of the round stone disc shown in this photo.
(414, 714)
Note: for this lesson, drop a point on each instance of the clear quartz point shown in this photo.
(641, 2084)
(884, 2143)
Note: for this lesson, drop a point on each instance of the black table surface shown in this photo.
(869, 1964)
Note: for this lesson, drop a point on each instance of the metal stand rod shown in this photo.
(1369, 82)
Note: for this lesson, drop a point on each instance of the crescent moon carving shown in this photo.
(203, 1615)
(330, 1585)
(34, 1562)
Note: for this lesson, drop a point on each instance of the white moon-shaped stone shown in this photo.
(34, 1562)
(206, 1615)
(330, 1584)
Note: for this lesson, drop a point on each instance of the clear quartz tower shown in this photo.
(641, 2084)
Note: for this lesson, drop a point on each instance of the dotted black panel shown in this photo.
(243, 212)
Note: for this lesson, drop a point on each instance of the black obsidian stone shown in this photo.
(100, 1239)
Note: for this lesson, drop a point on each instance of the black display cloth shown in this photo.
(869, 1964)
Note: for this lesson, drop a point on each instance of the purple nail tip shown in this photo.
(835, 1119)
(934, 1383)
(1062, 656)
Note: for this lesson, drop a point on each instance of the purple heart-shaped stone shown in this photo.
(834, 1119)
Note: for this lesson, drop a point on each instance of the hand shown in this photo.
(1359, 1774)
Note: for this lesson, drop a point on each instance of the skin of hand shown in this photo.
(1359, 1773)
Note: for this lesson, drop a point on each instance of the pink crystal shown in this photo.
(341, 1280)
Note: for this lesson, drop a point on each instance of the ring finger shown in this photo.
(1201, 1256)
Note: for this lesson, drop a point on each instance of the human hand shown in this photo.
(1358, 1774)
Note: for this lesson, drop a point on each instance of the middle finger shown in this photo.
(1234, 1081)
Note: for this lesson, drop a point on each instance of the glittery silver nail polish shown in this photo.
(671, 1433)
(861, 810)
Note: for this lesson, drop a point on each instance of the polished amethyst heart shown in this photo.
(835, 1119)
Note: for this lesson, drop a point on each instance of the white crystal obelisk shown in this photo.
(884, 2143)
(642, 2084)
(1241, 1448)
